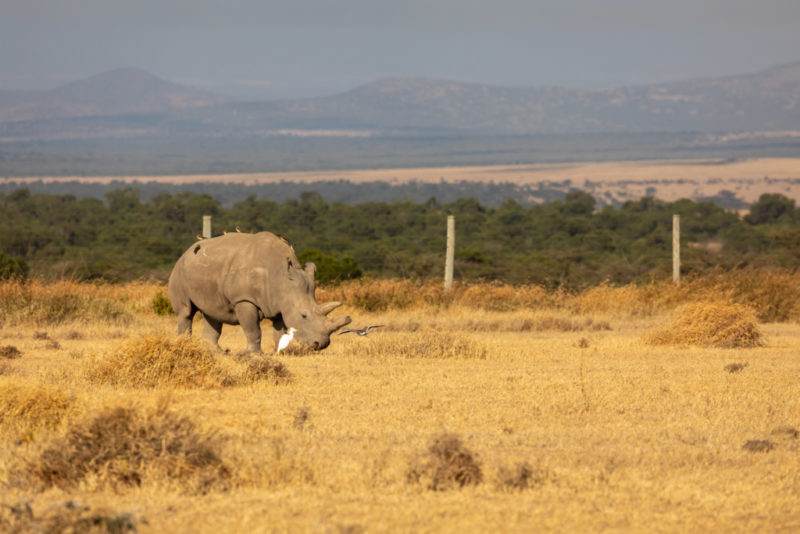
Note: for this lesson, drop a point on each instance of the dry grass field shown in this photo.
(622, 180)
(491, 408)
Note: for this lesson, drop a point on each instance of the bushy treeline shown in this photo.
(565, 243)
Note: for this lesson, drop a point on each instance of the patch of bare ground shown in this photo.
(666, 179)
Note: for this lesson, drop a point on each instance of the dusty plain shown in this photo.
(577, 424)
(667, 180)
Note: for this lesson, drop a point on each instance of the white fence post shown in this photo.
(676, 249)
(451, 247)
(207, 226)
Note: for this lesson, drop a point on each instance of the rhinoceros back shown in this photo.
(214, 274)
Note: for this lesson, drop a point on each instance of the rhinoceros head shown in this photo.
(300, 309)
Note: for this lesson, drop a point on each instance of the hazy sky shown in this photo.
(286, 48)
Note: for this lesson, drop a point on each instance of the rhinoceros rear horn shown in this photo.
(328, 307)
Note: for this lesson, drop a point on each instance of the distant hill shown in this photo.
(768, 100)
(116, 92)
(130, 103)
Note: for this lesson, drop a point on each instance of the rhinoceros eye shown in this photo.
(303, 315)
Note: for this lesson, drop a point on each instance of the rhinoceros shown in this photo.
(240, 278)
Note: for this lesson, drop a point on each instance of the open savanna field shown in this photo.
(490, 408)
(667, 180)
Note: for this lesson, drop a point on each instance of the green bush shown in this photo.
(331, 268)
(162, 305)
(12, 267)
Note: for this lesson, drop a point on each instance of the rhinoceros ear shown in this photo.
(311, 268)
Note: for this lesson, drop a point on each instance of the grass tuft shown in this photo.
(447, 465)
(711, 324)
(160, 361)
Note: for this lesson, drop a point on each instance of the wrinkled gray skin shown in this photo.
(243, 278)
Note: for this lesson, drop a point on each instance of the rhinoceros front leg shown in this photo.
(247, 314)
(212, 331)
(278, 329)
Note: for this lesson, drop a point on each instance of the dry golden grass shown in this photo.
(558, 413)
(26, 407)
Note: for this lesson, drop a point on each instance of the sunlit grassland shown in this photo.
(575, 418)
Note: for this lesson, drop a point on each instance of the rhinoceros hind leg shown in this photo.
(212, 331)
(185, 316)
(247, 315)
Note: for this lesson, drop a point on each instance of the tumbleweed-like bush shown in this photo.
(711, 324)
(123, 446)
(156, 361)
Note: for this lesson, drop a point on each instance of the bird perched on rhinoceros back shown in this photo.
(240, 278)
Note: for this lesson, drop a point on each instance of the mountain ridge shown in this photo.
(109, 103)
(115, 92)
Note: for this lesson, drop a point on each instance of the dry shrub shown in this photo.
(711, 324)
(160, 361)
(735, 367)
(373, 294)
(758, 445)
(27, 407)
(448, 464)
(68, 517)
(520, 476)
(382, 295)
(423, 344)
(9, 352)
(785, 431)
(773, 294)
(125, 447)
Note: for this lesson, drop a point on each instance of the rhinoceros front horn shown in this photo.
(337, 323)
(328, 307)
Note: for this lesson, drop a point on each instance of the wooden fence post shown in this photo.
(451, 248)
(676, 249)
(207, 226)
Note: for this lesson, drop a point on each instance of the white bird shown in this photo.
(283, 342)
(362, 331)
